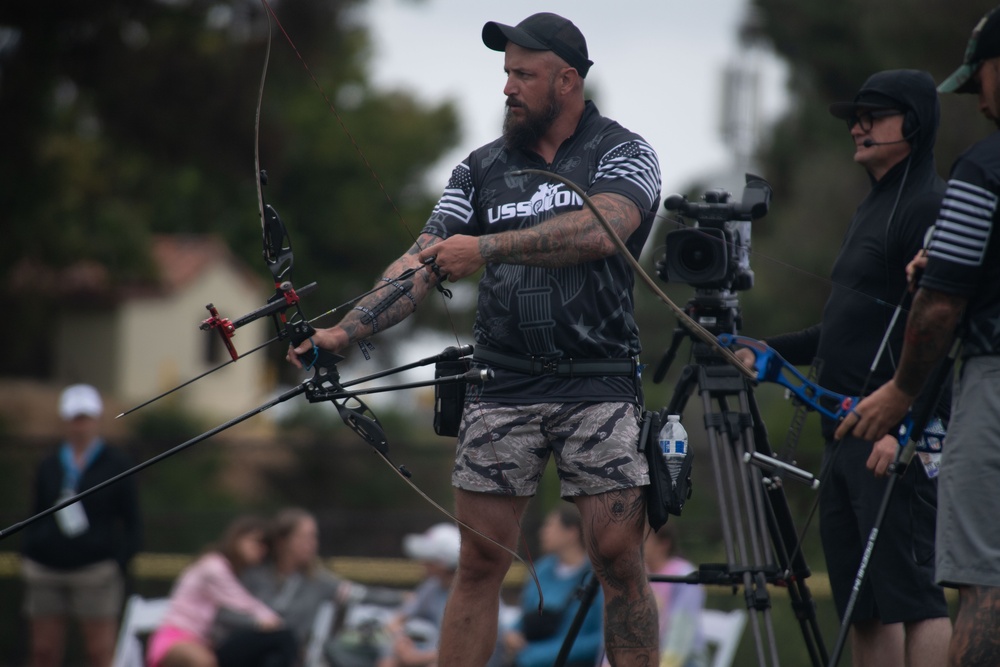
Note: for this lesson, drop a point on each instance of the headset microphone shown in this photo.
(868, 143)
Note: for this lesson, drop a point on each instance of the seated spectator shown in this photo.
(538, 637)
(413, 632)
(679, 604)
(210, 584)
(293, 582)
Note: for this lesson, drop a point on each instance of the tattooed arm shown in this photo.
(565, 240)
(930, 329)
(387, 306)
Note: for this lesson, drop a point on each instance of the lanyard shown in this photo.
(72, 473)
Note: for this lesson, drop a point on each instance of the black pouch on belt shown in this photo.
(449, 397)
(663, 497)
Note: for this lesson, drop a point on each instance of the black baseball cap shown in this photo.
(983, 45)
(880, 91)
(543, 32)
(866, 100)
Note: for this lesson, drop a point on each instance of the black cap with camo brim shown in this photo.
(983, 45)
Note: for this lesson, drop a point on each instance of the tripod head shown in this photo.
(716, 310)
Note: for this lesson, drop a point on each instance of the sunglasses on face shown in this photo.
(866, 119)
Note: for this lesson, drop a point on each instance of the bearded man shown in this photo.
(555, 321)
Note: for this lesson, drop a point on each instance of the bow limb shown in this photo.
(703, 334)
(256, 124)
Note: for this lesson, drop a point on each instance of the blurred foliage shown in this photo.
(166, 422)
(137, 118)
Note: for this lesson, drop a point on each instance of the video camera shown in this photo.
(714, 254)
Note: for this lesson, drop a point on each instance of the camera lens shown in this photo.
(699, 253)
(697, 257)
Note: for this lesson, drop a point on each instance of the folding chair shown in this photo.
(142, 617)
(320, 632)
(722, 631)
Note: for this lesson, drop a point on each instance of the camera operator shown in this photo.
(962, 275)
(900, 611)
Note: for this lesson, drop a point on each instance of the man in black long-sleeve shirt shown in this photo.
(900, 611)
(74, 560)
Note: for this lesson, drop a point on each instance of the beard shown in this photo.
(524, 133)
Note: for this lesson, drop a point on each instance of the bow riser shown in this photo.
(771, 367)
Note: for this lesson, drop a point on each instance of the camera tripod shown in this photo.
(761, 543)
(759, 536)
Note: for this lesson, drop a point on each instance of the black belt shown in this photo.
(559, 367)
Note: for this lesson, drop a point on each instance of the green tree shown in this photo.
(137, 118)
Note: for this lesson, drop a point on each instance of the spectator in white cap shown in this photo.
(414, 630)
(75, 561)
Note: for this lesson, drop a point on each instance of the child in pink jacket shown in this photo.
(204, 587)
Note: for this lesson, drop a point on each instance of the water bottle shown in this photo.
(673, 444)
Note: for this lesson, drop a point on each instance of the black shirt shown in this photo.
(113, 515)
(964, 257)
(583, 311)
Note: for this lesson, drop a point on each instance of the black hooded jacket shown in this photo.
(869, 275)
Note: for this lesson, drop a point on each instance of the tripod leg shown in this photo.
(791, 562)
(740, 503)
(587, 599)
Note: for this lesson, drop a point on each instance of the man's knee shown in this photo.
(495, 516)
(481, 563)
(617, 549)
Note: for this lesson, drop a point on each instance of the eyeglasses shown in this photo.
(866, 119)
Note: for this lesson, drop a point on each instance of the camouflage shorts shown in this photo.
(503, 449)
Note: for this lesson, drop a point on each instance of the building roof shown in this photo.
(178, 259)
(182, 259)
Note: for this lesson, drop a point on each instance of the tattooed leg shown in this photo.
(614, 525)
(975, 640)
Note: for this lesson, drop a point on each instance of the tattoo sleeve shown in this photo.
(396, 300)
(930, 330)
(567, 239)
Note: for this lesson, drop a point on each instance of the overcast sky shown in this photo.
(657, 69)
